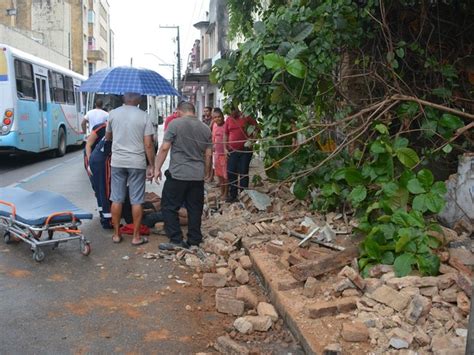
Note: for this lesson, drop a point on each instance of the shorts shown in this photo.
(134, 179)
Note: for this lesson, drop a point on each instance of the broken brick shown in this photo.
(355, 332)
(226, 301)
(353, 275)
(275, 249)
(310, 287)
(288, 284)
(323, 309)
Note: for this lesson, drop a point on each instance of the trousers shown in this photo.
(175, 194)
(238, 171)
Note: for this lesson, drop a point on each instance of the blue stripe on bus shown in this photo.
(3, 77)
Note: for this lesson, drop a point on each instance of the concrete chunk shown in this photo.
(241, 276)
(226, 345)
(244, 293)
(243, 326)
(260, 323)
(213, 280)
(390, 297)
(418, 307)
(266, 309)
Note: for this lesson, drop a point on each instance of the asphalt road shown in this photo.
(113, 300)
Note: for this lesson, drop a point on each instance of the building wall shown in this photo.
(63, 26)
(18, 40)
(54, 20)
(79, 43)
(22, 19)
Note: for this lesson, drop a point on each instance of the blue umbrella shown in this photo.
(120, 80)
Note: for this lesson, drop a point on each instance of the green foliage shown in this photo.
(288, 74)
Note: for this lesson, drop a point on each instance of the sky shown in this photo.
(136, 25)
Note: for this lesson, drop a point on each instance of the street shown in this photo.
(111, 301)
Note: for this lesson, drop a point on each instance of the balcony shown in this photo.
(96, 55)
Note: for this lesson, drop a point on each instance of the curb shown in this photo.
(276, 299)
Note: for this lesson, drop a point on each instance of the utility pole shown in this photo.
(178, 55)
(172, 105)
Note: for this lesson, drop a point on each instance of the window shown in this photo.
(69, 90)
(91, 43)
(91, 16)
(103, 12)
(103, 33)
(77, 96)
(91, 68)
(56, 84)
(25, 85)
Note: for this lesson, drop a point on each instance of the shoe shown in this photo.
(173, 246)
(116, 239)
(143, 240)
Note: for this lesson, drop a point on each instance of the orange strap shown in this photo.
(11, 205)
(57, 214)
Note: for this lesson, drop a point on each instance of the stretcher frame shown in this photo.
(31, 234)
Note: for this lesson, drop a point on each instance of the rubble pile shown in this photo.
(316, 259)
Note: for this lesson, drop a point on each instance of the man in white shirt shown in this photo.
(95, 116)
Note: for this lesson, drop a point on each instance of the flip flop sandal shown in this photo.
(143, 240)
(117, 239)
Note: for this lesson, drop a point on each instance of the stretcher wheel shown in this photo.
(85, 248)
(7, 237)
(38, 255)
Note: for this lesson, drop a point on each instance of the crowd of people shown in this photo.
(120, 157)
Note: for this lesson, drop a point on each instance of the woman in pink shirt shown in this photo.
(220, 157)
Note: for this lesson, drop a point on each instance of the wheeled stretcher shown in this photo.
(26, 215)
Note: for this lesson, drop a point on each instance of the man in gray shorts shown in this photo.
(131, 132)
(190, 164)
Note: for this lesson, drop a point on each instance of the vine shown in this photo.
(357, 101)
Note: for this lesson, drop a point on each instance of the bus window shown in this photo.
(56, 84)
(25, 85)
(69, 90)
(77, 95)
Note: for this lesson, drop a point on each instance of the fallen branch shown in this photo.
(431, 104)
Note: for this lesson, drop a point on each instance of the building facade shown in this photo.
(78, 30)
(211, 46)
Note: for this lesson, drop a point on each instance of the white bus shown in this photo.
(41, 108)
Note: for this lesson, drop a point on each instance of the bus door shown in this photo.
(42, 110)
(79, 110)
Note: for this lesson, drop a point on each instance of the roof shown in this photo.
(196, 78)
(43, 62)
(201, 24)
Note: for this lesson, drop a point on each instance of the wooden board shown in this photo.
(325, 264)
